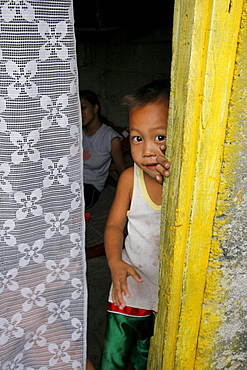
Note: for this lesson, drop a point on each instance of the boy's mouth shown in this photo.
(151, 166)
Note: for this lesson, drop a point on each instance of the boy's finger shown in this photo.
(163, 161)
(116, 298)
(162, 149)
(159, 179)
(163, 171)
(125, 290)
(119, 301)
(136, 276)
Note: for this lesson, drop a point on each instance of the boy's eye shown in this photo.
(137, 138)
(160, 137)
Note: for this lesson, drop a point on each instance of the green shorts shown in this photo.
(127, 339)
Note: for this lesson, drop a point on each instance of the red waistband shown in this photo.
(129, 311)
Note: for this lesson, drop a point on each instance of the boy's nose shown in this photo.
(148, 150)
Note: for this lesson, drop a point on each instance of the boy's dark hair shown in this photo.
(154, 92)
(91, 97)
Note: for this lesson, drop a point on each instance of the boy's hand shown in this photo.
(163, 166)
(119, 272)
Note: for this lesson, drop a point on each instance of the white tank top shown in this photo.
(142, 245)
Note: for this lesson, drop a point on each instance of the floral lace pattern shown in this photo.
(42, 261)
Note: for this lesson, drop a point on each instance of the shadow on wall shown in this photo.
(128, 14)
(122, 45)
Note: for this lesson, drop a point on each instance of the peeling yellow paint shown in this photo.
(202, 74)
(216, 295)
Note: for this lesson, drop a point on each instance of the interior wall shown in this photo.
(115, 61)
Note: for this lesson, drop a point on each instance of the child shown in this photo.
(133, 297)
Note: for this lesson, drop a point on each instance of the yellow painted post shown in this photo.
(205, 39)
(222, 338)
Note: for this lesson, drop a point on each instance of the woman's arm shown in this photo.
(117, 155)
(113, 239)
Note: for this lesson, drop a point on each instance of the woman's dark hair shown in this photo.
(91, 97)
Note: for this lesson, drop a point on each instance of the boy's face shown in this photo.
(147, 127)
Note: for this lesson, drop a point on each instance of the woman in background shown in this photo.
(101, 144)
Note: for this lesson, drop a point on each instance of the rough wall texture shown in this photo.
(201, 316)
(226, 308)
(115, 63)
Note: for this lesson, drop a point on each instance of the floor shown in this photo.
(98, 273)
(99, 280)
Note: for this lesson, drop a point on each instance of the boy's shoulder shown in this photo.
(126, 179)
(125, 189)
(128, 173)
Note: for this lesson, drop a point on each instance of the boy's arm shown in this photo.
(117, 155)
(113, 239)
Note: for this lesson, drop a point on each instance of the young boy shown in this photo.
(133, 297)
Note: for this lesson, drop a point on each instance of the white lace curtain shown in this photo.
(43, 294)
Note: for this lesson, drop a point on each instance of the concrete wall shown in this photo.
(114, 63)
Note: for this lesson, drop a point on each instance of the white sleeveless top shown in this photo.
(142, 246)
